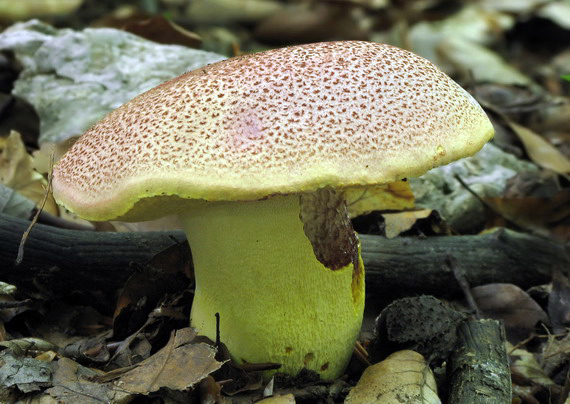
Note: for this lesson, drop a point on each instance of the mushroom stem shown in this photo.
(277, 302)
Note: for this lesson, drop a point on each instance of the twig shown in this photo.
(19, 303)
(463, 284)
(20, 256)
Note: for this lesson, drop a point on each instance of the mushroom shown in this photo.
(252, 154)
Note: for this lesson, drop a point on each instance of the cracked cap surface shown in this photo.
(283, 121)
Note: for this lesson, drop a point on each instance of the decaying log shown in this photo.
(67, 260)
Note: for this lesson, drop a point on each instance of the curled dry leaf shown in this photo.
(393, 196)
(507, 302)
(17, 172)
(397, 223)
(403, 377)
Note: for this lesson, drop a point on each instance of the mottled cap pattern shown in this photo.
(283, 121)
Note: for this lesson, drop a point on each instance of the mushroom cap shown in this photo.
(284, 121)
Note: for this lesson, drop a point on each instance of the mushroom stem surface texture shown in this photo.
(256, 267)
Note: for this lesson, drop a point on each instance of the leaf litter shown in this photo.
(74, 354)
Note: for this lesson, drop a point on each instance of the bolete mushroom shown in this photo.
(253, 153)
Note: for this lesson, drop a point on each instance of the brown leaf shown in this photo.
(544, 215)
(164, 31)
(507, 302)
(179, 365)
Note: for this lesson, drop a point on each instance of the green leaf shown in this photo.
(566, 77)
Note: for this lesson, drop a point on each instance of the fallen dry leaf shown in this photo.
(394, 196)
(404, 377)
(17, 172)
(541, 151)
(556, 354)
(525, 364)
(43, 156)
(285, 399)
(179, 365)
(72, 383)
(542, 215)
(164, 31)
(509, 303)
(397, 223)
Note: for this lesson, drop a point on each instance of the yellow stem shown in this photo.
(277, 302)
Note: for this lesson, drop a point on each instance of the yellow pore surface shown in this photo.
(277, 303)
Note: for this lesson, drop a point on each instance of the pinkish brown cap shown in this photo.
(284, 121)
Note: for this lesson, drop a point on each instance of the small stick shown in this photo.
(19, 303)
(20, 256)
(463, 284)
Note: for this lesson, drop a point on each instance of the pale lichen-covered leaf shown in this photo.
(25, 374)
(14, 204)
(393, 196)
(179, 365)
(402, 378)
(73, 89)
(17, 172)
(73, 383)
